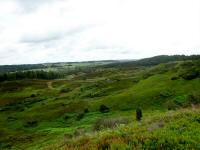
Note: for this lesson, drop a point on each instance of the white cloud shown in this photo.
(34, 31)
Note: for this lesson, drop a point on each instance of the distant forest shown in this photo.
(13, 68)
(19, 75)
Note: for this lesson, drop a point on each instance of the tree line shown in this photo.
(154, 60)
(39, 74)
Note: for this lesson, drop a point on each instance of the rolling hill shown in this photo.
(92, 106)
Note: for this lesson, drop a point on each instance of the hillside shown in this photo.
(92, 106)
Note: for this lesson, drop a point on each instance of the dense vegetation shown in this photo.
(13, 68)
(20, 75)
(103, 106)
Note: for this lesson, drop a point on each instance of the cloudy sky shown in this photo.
(37, 31)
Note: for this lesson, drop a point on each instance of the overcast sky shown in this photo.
(37, 31)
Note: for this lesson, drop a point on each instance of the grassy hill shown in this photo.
(93, 107)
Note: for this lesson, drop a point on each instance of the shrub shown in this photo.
(80, 116)
(109, 123)
(86, 110)
(189, 74)
(104, 109)
(31, 123)
(33, 95)
(65, 90)
(166, 93)
(138, 114)
(171, 105)
(174, 78)
(66, 117)
(193, 98)
(79, 132)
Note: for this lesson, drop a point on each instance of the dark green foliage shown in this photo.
(190, 74)
(171, 105)
(189, 70)
(33, 95)
(86, 110)
(31, 123)
(174, 78)
(65, 90)
(14, 68)
(103, 108)
(104, 146)
(138, 114)
(30, 75)
(66, 117)
(80, 116)
(193, 98)
(166, 93)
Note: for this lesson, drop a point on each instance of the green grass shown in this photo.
(43, 120)
(171, 130)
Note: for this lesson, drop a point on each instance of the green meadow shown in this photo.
(94, 107)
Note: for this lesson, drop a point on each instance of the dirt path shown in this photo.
(49, 85)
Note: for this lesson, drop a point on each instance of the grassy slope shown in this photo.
(172, 130)
(121, 90)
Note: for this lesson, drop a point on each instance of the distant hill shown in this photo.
(156, 60)
(108, 63)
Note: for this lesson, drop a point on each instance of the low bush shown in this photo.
(189, 74)
(174, 78)
(104, 109)
(193, 98)
(86, 110)
(171, 105)
(66, 117)
(80, 116)
(65, 90)
(79, 132)
(109, 123)
(166, 93)
(33, 95)
(138, 114)
(31, 123)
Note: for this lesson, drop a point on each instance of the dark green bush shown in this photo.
(138, 114)
(33, 95)
(174, 78)
(166, 93)
(31, 123)
(189, 74)
(86, 110)
(80, 116)
(104, 109)
(65, 90)
(66, 117)
(171, 105)
(193, 98)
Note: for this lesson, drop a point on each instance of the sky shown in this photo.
(39, 31)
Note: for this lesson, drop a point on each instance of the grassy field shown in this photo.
(65, 113)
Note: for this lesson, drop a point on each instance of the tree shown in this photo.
(103, 109)
(138, 114)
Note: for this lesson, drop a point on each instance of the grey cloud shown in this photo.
(53, 36)
(40, 39)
